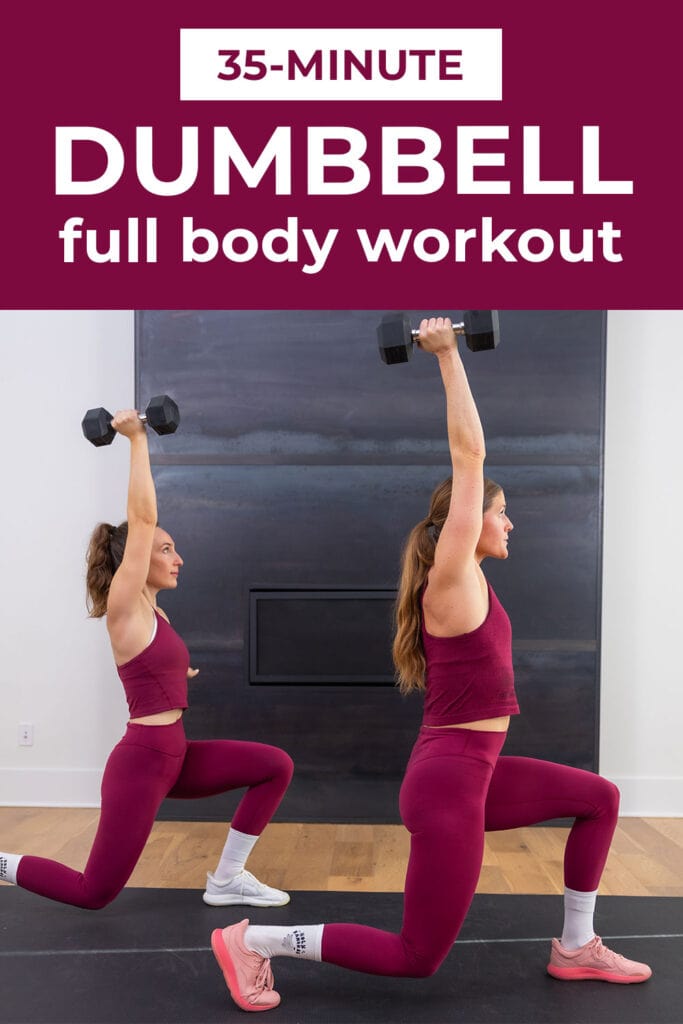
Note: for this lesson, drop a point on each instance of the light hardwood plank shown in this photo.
(646, 857)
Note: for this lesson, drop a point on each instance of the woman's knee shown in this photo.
(424, 966)
(425, 961)
(97, 896)
(283, 765)
(98, 900)
(610, 797)
(424, 969)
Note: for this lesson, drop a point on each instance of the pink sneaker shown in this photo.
(247, 975)
(594, 961)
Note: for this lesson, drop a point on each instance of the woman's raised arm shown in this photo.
(126, 589)
(454, 556)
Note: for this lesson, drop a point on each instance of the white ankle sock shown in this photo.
(578, 918)
(237, 848)
(304, 942)
(9, 862)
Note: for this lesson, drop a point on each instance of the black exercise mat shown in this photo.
(145, 960)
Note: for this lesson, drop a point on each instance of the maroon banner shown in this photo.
(117, 193)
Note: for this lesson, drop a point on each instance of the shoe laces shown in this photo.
(246, 876)
(602, 952)
(264, 976)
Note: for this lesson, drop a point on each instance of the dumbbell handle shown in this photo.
(141, 416)
(457, 329)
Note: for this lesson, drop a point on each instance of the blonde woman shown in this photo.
(453, 642)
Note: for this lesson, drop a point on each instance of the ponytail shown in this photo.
(104, 556)
(407, 651)
(416, 561)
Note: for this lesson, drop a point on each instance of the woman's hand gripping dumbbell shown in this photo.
(161, 414)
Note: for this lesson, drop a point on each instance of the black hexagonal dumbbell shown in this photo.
(395, 336)
(162, 415)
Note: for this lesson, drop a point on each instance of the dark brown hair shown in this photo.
(416, 561)
(104, 556)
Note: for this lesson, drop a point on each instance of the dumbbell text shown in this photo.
(336, 163)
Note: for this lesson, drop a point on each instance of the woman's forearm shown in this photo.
(142, 499)
(465, 432)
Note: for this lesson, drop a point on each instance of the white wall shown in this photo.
(56, 665)
(642, 626)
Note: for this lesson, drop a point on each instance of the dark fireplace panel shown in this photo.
(321, 637)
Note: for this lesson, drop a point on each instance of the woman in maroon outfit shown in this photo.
(453, 641)
(128, 566)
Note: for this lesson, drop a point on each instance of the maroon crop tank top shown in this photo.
(156, 679)
(470, 677)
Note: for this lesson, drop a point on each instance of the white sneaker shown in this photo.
(243, 889)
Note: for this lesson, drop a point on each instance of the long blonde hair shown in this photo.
(417, 559)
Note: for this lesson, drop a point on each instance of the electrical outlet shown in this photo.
(25, 738)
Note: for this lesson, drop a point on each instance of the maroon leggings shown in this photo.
(455, 789)
(150, 763)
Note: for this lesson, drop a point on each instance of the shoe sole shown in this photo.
(592, 974)
(225, 963)
(240, 901)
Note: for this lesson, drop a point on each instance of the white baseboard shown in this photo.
(650, 797)
(640, 797)
(49, 788)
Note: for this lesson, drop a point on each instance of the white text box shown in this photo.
(340, 64)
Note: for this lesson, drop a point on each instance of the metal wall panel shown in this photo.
(302, 460)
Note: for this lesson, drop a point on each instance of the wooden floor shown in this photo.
(646, 858)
